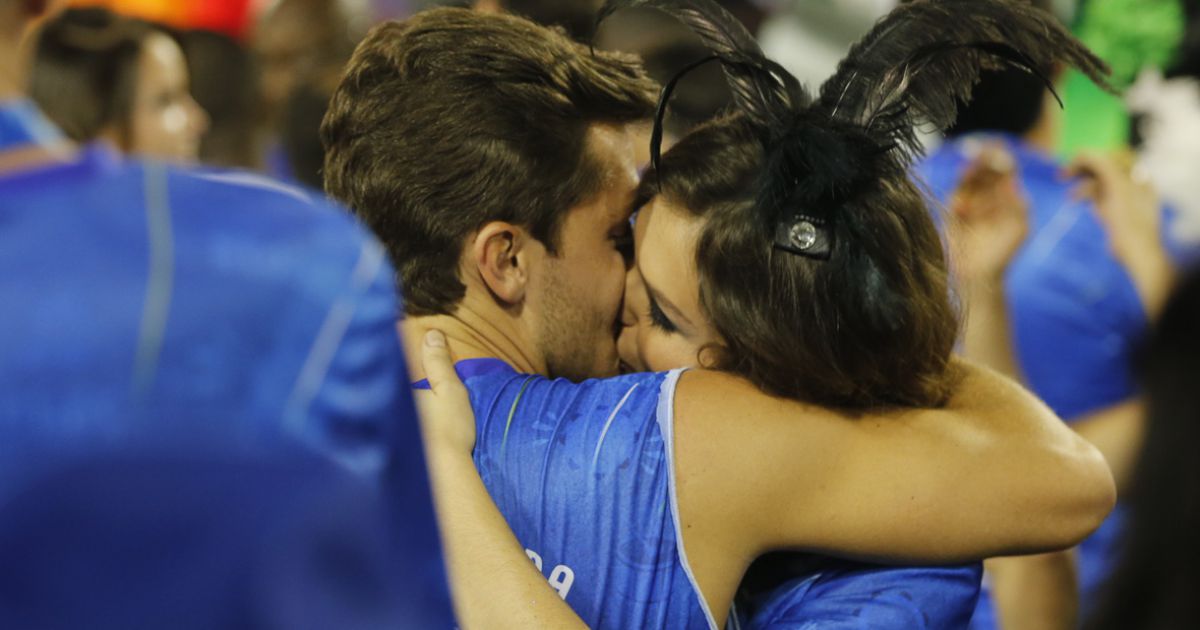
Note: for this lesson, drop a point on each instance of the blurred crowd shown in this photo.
(1071, 215)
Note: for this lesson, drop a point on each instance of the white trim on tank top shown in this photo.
(666, 425)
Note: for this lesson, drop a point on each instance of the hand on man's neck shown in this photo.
(477, 329)
(12, 83)
(16, 47)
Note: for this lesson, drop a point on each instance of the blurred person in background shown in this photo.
(1076, 307)
(100, 76)
(809, 38)
(576, 17)
(1154, 585)
(224, 81)
(302, 115)
(295, 42)
(154, 308)
(666, 47)
(189, 539)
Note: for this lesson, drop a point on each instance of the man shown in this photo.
(153, 308)
(1077, 315)
(494, 158)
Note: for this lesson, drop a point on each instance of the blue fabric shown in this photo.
(22, 125)
(1076, 316)
(146, 306)
(581, 473)
(201, 541)
(830, 594)
(141, 297)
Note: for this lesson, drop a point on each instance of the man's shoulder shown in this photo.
(506, 400)
(504, 382)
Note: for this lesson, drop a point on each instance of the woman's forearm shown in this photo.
(1058, 486)
(493, 582)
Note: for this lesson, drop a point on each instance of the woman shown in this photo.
(100, 76)
(784, 247)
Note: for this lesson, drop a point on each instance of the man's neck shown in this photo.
(473, 334)
(15, 51)
(11, 83)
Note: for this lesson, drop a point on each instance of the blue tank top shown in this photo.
(583, 473)
(819, 593)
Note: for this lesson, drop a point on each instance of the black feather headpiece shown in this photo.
(911, 70)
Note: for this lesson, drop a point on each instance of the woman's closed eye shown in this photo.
(659, 319)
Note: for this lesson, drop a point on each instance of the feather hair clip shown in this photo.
(912, 69)
(919, 61)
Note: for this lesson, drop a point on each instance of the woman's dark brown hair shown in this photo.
(820, 266)
(85, 71)
(815, 330)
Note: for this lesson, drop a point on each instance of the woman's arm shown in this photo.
(993, 473)
(493, 582)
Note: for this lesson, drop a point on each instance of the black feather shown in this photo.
(656, 136)
(762, 90)
(924, 57)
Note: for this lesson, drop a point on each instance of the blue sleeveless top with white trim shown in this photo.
(583, 473)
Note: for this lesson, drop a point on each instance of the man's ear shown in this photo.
(499, 254)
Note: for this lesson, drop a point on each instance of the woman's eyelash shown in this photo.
(659, 318)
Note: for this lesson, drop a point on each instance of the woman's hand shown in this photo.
(447, 420)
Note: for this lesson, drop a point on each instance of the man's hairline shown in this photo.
(553, 249)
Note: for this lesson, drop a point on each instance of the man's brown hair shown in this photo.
(453, 119)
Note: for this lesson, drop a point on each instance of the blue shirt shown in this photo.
(818, 593)
(1076, 316)
(583, 474)
(148, 306)
(205, 542)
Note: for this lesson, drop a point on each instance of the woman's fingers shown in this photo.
(446, 409)
(439, 366)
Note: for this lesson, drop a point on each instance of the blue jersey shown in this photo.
(583, 473)
(1076, 316)
(817, 593)
(147, 306)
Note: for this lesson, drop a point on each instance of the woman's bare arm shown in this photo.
(493, 582)
(993, 473)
